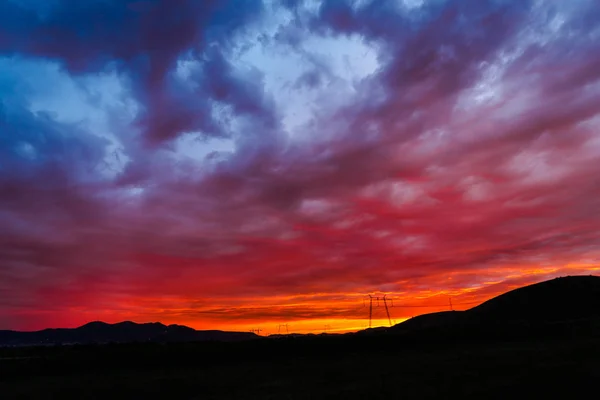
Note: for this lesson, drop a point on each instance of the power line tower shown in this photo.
(387, 310)
(450, 301)
(385, 303)
(256, 330)
(326, 328)
(370, 309)
(284, 326)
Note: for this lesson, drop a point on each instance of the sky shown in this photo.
(241, 164)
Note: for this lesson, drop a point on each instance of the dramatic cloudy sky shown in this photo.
(239, 164)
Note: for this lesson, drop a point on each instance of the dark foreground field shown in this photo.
(315, 368)
(539, 341)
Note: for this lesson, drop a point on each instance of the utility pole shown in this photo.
(450, 301)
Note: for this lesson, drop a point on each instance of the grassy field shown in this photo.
(316, 369)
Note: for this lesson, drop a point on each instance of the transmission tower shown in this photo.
(387, 311)
(284, 326)
(370, 309)
(385, 303)
(256, 330)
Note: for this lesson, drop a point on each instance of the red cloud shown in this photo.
(421, 189)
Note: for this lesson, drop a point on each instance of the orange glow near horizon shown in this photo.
(314, 313)
(267, 164)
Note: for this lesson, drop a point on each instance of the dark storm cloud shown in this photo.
(416, 179)
(145, 39)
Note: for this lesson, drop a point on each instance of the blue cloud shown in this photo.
(32, 143)
(475, 118)
(144, 39)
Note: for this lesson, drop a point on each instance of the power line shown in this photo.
(226, 310)
(437, 305)
(374, 301)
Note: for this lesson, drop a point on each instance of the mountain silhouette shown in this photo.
(122, 332)
(560, 303)
(559, 299)
(566, 305)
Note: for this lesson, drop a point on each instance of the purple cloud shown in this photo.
(463, 163)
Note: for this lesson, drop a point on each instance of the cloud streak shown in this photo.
(257, 177)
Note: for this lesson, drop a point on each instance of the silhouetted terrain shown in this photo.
(556, 308)
(560, 299)
(432, 320)
(492, 351)
(123, 332)
(563, 303)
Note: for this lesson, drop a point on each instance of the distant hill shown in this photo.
(432, 320)
(566, 298)
(122, 332)
(564, 303)
(566, 306)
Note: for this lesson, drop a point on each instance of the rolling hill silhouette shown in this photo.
(559, 299)
(560, 303)
(122, 332)
(564, 305)
(505, 347)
